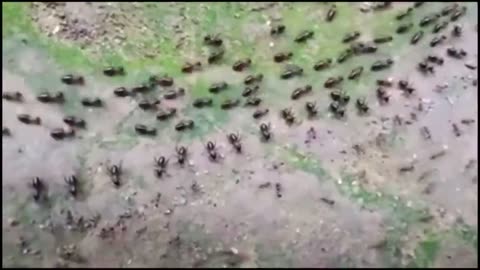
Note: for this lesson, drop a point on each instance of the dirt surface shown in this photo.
(365, 190)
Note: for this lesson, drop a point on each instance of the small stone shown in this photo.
(168, 212)
(234, 250)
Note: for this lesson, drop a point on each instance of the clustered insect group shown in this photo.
(252, 82)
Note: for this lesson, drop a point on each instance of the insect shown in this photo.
(456, 130)
(181, 154)
(340, 96)
(216, 56)
(355, 73)
(12, 96)
(277, 29)
(278, 190)
(383, 39)
(351, 36)
(38, 187)
(381, 64)
(165, 81)
(212, 152)
(217, 87)
(418, 4)
(345, 55)
(429, 19)
(250, 79)
(202, 102)
(121, 92)
(288, 115)
(449, 9)
(437, 40)
(229, 104)
(234, 140)
(114, 71)
(416, 37)
(240, 65)
(60, 133)
(333, 81)
(146, 104)
(28, 119)
(360, 47)
(291, 71)
(331, 13)
(405, 86)
(362, 105)
(253, 101)
(6, 131)
(189, 67)
(74, 121)
(311, 108)
(46, 97)
(456, 53)
(458, 13)
(301, 91)
(381, 5)
(282, 56)
(184, 125)
(439, 27)
(166, 114)
(161, 162)
(382, 95)
(91, 102)
(425, 132)
(404, 28)
(322, 64)
(435, 59)
(145, 87)
(404, 14)
(385, 83)
(265, 131)
(72, 184)
(457, 30)
(424, 67)
(259, 113)
(213, 40)
(71, 79)
(145, 130)
(115, 172)
(249, 90)
(304, 36)
(173, 94)
(337, 109)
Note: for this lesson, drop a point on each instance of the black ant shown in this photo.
(449, 9)
(60, 133)
(181, 154)
(165, 81)
(311, 108)
(382, 95)
(148, 104)
(381, 64)
(240, 65)
(322, 64)
(331, 13)
(229, 104)
(458, 13)
(74, 121)
(384, 83)
(13, 96)
(288, 115)
(212, 152)
(6, 131)
(202, 102)
(437, 40)
(28, 119)
(382, 39)
(114, 71)
(121, 92)
(92, 102)
(249, 90)
(72, 184)
(428, 20)
(301, 91)
(259, 113)
(345, 55)
(166, 114)
(115, 171)
(351, 36)
(333, 81)
(217, 87)
(234, 140)
(404, 28)
(184, 124)
(416, 37)
(145, 130)
(282, 56)
(278, 190)
(337, 109)
(73, 79)
(173, 94)
(265, 131)
(216, 56)
(213, 40)
(355, 73)
(435, 59)
(456, 53)
(189, 67)
(38, 187)
(253, 101)
(250, 79)
(304, 36)
(277, 29)
(46, 97)
(145, 87)
(457, 31)
(291, 71)
(404, 14)
(341, 96)
(161, 164)
(362, 105)
(424, 67)
(439, 27)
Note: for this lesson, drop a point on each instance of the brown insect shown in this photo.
(114, 71)
(282, 56)
(304, 36)
(250, 79)
(277, 29)
(13, 96)
(333, 81)
(234, 140)
(28, 119)
(71, 79)
(121, 92)
(46, 97)
(145, 130)
(166, 113)
(184, 125)
(146, 104)
(311, 108)
(259, 113)
(92, 102)
(72, 184)
(181, 154)
(189, 67)
(74, 121)
(322, 64)
(240, 65)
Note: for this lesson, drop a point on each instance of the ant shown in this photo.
(38, 187)
(72, 184)
(212, 152)
(115, 171)
(265, 131)
(13, 96)
(181, 154)
(311, 108)
(71, 79)
(234, 140)
(288, 115)
(114, 71)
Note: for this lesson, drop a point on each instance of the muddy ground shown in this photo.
(347, 198)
